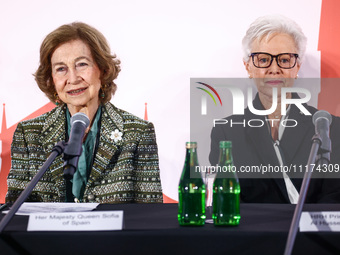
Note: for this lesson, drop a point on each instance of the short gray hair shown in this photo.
(268, 25)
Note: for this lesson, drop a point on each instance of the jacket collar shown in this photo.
(107, 148)
(54, 131)
(54, 127)
(262, 139)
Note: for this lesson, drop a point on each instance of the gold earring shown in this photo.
(57, 100)
(102, 91)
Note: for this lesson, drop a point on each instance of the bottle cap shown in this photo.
(191, 145)
(225, 144)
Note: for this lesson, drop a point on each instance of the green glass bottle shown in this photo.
(226, 189)
(191, 190)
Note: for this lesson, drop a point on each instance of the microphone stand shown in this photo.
(321, 148)
(56, 151)
(71, 150)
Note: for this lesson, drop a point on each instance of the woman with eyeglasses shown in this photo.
(274, 47)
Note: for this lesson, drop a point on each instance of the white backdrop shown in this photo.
(161, 44)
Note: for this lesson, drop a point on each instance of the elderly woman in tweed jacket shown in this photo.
(119, 162)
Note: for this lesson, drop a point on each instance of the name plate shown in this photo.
(320, 221)
(76, 221)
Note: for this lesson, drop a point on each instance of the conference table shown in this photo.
(154, 229)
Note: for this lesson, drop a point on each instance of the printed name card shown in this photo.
(320, 221)
(76, 221)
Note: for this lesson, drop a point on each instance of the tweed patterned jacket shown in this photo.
(124, 171)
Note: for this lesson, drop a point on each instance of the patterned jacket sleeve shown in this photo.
(27, 158)
(20, 174)
(148, 184)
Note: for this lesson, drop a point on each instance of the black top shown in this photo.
(253, 146)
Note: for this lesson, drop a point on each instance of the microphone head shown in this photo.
(322, 114)
(80, 117)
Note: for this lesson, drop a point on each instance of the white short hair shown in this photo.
(269, 25)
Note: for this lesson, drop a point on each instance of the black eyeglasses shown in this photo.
(283, 60)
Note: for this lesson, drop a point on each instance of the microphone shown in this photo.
(322, 121)
(73, 148)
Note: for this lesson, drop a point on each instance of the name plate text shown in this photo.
(76, 221)
(320, 221)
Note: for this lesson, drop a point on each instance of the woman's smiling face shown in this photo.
(76, 76)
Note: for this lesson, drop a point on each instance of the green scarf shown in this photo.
(80, 177)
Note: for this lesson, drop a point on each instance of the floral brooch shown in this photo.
(116, 135)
